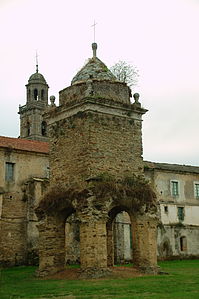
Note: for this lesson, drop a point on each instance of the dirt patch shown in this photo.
(116, 272)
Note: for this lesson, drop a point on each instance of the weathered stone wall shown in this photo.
(116, 91)
(72, 240)
(90, 144)
(169, 243)
(172, 228)
(90, 140)
(16, 221)
(144, 233)
(93, 249)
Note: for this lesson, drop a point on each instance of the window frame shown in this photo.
(173, 194)
(9, 171)
(181, 214)
(196, 189)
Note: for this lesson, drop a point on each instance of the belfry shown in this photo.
(96, 172)
(32, 124)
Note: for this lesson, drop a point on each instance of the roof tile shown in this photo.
(24, 144)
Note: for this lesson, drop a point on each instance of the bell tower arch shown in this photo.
(32, 124)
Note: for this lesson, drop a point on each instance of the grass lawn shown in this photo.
(182, 282)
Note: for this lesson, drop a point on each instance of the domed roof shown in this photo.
(37, 78)
(94, 69)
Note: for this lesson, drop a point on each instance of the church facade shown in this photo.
(95, 144)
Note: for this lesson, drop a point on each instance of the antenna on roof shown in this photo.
(36, 62)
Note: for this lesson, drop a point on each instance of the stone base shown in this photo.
(149, 269)
(47, 272)
(89, 273)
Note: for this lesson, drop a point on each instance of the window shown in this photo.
(44, 128)
(166, 209)
(9, 174)
(28, 129)
(35, 94)
(183, 243)
(196, 190)
(174, 188)
(180, 213)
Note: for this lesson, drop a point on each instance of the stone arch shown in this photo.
(112, 236)
(96, 207)
(143, 228)
(35, 94)
(183, 244)
(52, 219)
(165, 249)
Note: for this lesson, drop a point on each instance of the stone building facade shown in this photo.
(177, 188)
(24, 168)
(88, 211)
(96, 171)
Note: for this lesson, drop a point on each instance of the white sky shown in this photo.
(159, 37)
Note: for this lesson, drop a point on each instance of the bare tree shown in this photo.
(125, 72)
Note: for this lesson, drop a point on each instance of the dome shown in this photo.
(94, 69)
(37, 78)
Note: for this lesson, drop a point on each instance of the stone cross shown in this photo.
(94, 29)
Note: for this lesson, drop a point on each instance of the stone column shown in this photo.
(51, 245)
(110, 244)
(144, 234)
(93, 248)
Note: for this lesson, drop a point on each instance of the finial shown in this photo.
(94, 47)
(52, 101)
(136, 98)
(37, 62)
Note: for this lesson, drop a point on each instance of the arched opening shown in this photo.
(183, 243)
(119, 237)
(122, 238)
(35, 94)
(28, 128)
(42, 94)
(165, 250)
(44, 128)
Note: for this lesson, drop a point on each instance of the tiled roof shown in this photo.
(94, 69)
(24, 144)
(171, 167)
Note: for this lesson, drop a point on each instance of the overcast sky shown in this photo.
(159, 37)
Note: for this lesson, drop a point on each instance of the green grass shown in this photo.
(182, 282)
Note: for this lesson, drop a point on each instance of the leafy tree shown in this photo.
(125, 72)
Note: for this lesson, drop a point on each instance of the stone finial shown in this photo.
(52, 101)
(136, 97)
(94, 47)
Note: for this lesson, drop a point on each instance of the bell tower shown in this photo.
(32, 124)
